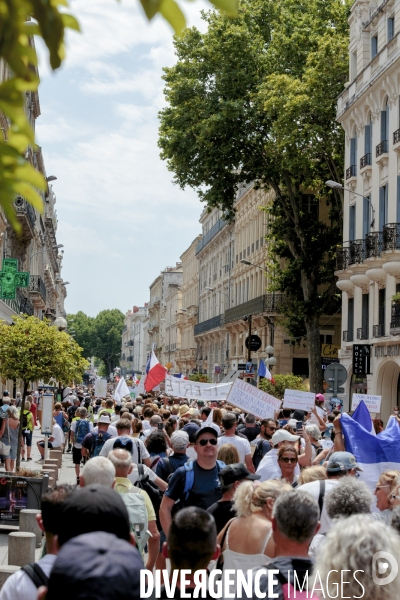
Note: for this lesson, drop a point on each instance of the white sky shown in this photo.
(120, 218)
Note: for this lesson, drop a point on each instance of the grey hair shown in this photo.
(12, 410)
(250, 418)
(396, 519)
(313, 431)
(82, 411)
(350, 545)
(99, 470)
(348, 497)
(296, 514)
(121, 459)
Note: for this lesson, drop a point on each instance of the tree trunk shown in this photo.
(314, 353)
(18, 461)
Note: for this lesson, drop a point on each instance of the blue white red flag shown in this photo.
(155, 373)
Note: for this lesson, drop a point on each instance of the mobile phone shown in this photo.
(160, 426)
(299, 425)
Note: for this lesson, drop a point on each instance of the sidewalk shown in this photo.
(67, 475)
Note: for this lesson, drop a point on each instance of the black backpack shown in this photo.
(154, 493)
(25, 420)
(36, 574)
(258, 453)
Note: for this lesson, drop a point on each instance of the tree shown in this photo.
(32, 350)
(83, 327)
(107, 332)
(20, 21)
(282, 383)
(254, 100)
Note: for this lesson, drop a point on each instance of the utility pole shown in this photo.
(249, 334)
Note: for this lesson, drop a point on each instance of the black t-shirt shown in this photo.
(251, 432)
(71, 412)
(222, 513)
(205, 491)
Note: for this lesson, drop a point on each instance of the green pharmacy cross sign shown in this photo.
(11, 279)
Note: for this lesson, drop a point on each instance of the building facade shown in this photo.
(368, 263)
(134, 341)
(170, 334)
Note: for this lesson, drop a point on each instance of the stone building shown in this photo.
(170, 335)
(134, 341)
(368, 263)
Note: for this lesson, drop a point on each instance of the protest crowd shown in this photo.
(301, 500)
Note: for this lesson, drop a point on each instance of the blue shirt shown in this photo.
(206, 488)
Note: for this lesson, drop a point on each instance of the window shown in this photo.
(237, 258)
(366, 215)
(353, 66)
(368, 138)
(240, 256)
(261, 241)
(390, 28)
(382, 294)
(374, 46)
(310, 206)
(352, 223)
(353, 151)
(350, 318)
(383, 206)
(257, 240)
(385, 123)
(252, 248)
(365, 314)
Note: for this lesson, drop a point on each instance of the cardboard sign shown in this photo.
(100, 388)
(373, 403)
(298, 400)
(193, 390)
(252, 400)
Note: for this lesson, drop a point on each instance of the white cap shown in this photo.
(283, 436)
(179, 440)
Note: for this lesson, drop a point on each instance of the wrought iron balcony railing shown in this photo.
(36, 284)
(378, 330)
(362, 333)
(391, 236)
(382, 148)
(366, 160)
(351, 171)
(212, 323)
(347, 336)
(342, 258)
(357, 251)
(396, 137)
(373, 244)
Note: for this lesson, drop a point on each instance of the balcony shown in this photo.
(357, 251)
(37, 292)
(373, 244)
(366, 161)
(395, 322)
(378, 331)
(347, 336)
(26, 216)
(212, 323)
(382, 153)
(220, 224)
(351, 172)
(342, 258)
(391, 236)
(270, 303)
(20, 304)
(362, 333)
(396, 141)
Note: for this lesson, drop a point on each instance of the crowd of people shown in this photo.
(165, 483)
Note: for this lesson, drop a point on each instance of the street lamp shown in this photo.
(271, 360)
(60, 323)
(248, 263)
(51, 178)
(338, 186)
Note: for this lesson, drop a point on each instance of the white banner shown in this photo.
(298, 400)
(252, 400)
(100, 388)
(193, 390)
(121, 390)
(373, 403)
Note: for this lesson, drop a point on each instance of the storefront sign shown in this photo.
(330, 351)
(383, 351)
(361, 359)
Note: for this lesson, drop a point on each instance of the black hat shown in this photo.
(191, 429)
(236, 472)
(206, 430)
(94, 508)
(97, 566)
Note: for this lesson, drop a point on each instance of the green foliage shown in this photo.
(200, 377)
(83, 327)
(254, 99)
(282, 383)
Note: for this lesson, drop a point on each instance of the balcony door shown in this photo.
(383, 206)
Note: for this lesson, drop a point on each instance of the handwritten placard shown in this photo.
(252, 400)
(373, 403)
(296, 399)
(193, 390)
(100, 388)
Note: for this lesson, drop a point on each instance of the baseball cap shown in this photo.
(320, 397)
(236, 472)
(191, 429)
(206, 430)
(283, 436)
(94, 508)
(96, 565)
(342, 461)
(104, 419)
(179, 440)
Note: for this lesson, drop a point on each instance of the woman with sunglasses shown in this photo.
(385, 492)
(287, 461)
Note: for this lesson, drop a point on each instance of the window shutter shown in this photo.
(367, 139)
(381, 208)
(383, 125)
(365, 217)
(352, 229)
(398, 200)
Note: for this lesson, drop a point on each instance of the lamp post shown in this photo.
(338, 186)
(248, 317)
(271, 360)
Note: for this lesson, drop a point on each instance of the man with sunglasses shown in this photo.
(262, 441)
(197, 483)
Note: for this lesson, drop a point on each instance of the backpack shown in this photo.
(99, 440)
(258, 453)
(154, 493)
(126, 443)
(136, 507)
(25, 420)
(36, 574)
(66, 426)
(189, 476)
(81, 431)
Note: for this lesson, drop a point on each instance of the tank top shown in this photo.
(243, 562)
(59, 419)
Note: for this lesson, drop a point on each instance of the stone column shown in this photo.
(21, 548)
(28, 523)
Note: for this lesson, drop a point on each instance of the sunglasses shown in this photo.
(286, 459)
(206, 441)
(377, 487)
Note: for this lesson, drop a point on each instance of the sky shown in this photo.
(120, 217)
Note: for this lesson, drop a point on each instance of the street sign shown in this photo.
(335, 374)
(253, 343)
(361, 359)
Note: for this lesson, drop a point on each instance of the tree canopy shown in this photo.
(282, 383)
(254, 100)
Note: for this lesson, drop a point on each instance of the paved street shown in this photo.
(67, 475)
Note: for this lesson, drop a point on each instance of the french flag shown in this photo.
(155, 373)
(263, 371)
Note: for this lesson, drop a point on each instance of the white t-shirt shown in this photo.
(73, 429)
(109, 445)
(19, 586)
(145, 425)
(58, 436)
(242, 445)
(115, 418)
(269, 467)
(313, 419)
(134, 476)
(313, 488)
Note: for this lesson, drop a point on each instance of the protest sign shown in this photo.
(298, 400)
(373, 403)
(100, 388)
(252, 400)
(193, 390)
